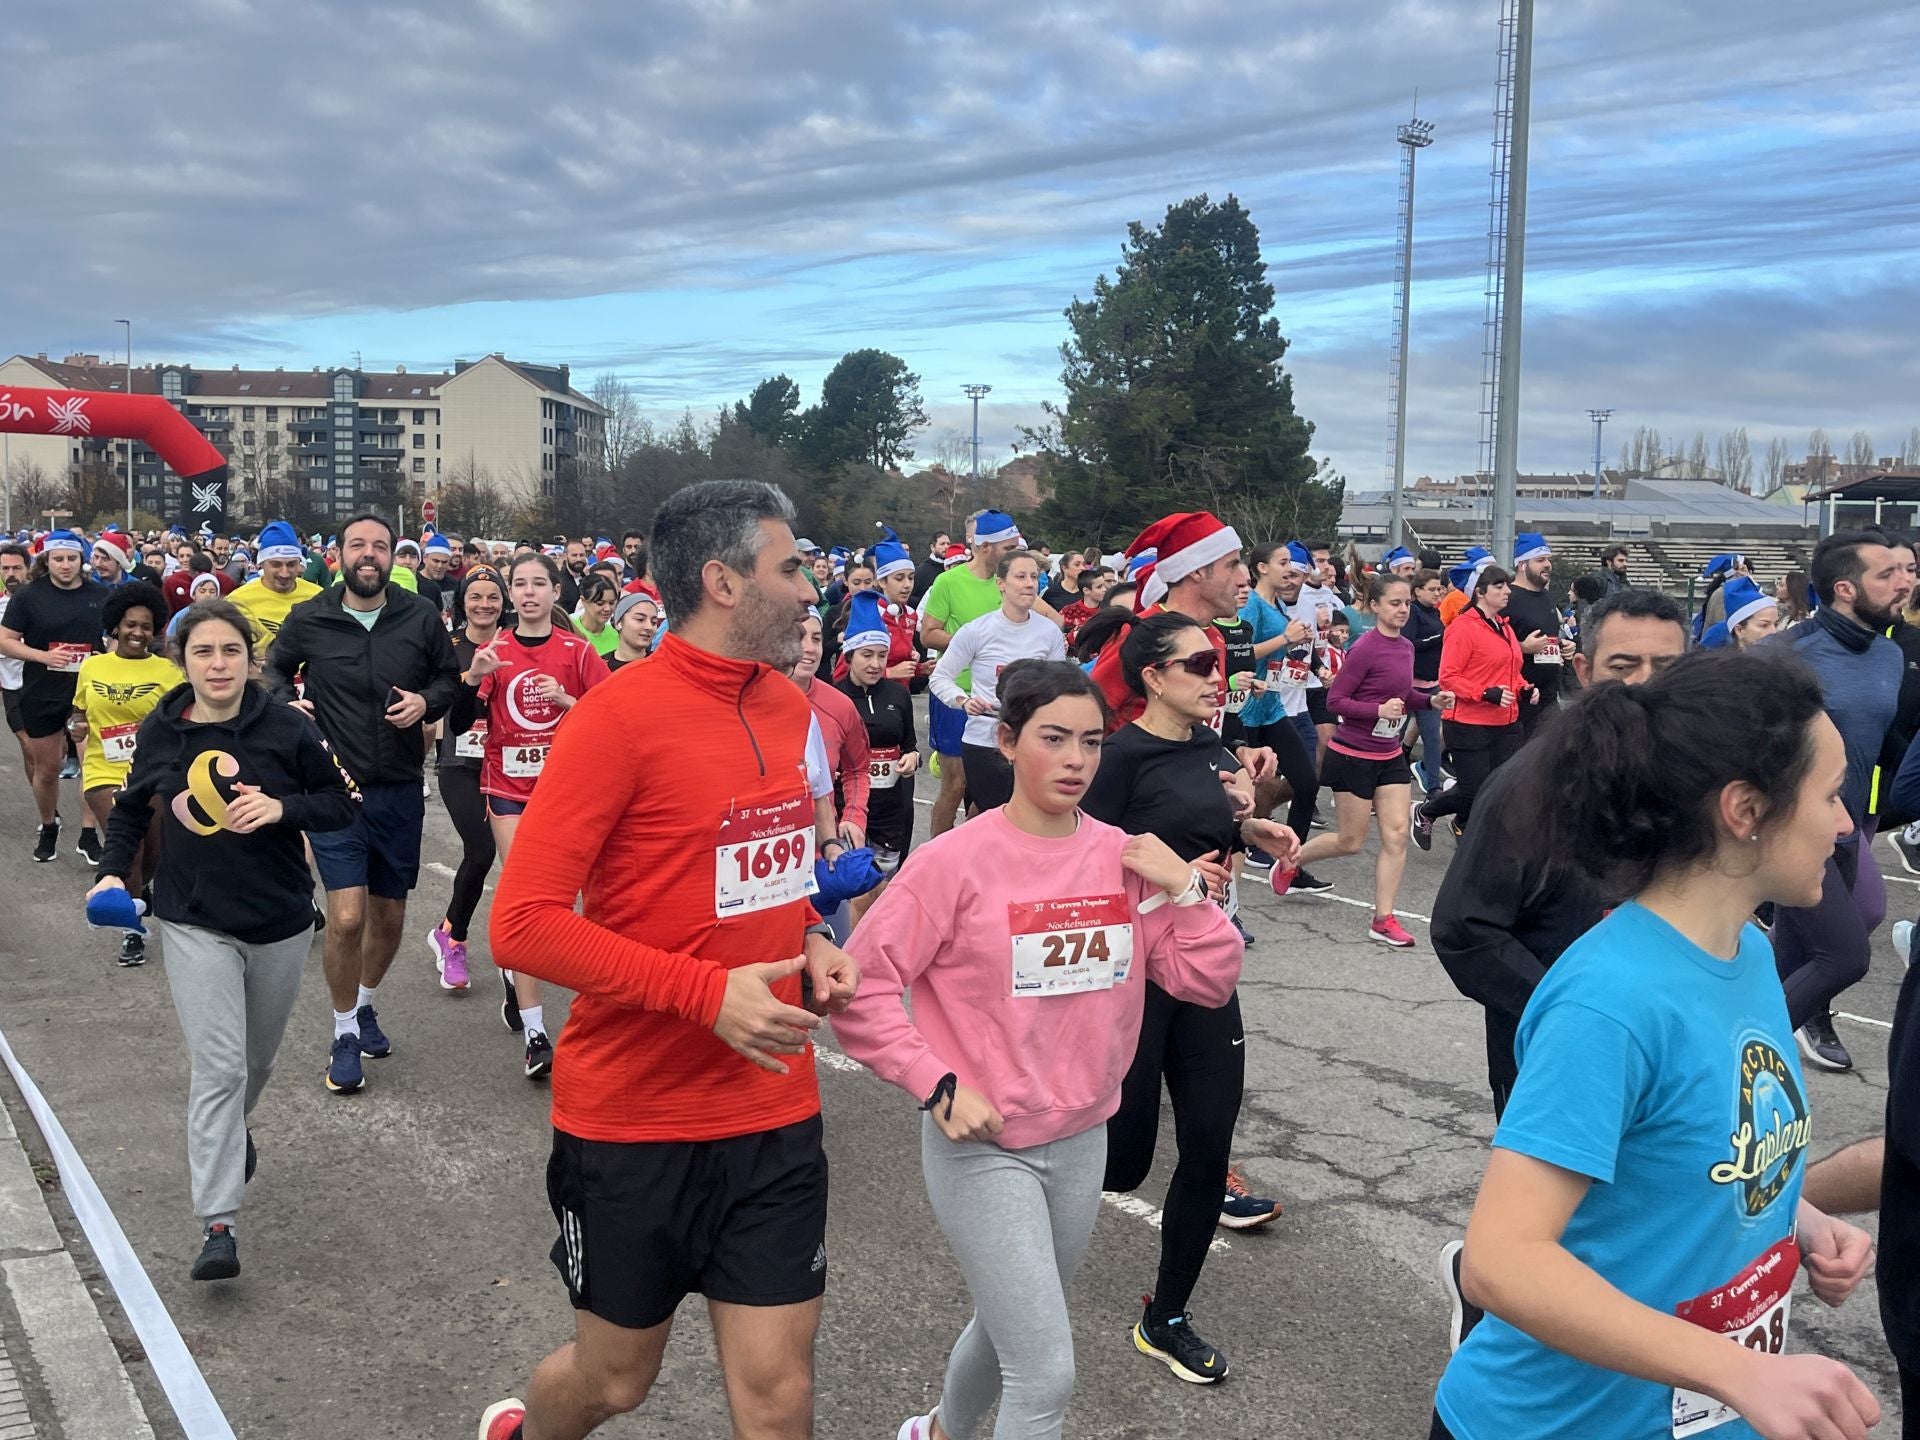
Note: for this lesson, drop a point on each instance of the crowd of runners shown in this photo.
(692, 758)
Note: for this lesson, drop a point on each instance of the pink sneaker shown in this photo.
(920, 1427)
(502, 1419)
(1390, 932)
(449, 958)
(1282, 879)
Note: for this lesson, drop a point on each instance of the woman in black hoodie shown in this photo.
(235, 777)
(1426, 630)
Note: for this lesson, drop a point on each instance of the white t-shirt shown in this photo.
(987, 646)
(819, 767)
(1317, 605)
(12, 672)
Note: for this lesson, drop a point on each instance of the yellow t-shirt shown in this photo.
(116, 695)
(401, 576)
(267, 609)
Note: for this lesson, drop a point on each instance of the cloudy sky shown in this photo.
(1725, 201)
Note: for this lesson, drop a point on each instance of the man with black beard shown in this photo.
(378, 663)
(572, 572)
(1822, 949)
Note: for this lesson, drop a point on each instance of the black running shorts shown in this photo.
(642, 1226)
(1361, 777)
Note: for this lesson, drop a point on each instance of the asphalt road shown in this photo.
(395, 1243)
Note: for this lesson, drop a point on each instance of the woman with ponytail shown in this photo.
(1656, 1058)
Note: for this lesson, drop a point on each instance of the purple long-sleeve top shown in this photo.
(1378, 668)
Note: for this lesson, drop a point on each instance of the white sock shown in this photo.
(1913, 833)
(534, 1018)
(345, 1022)
(365, 997)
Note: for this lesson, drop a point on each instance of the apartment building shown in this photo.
(344, 439)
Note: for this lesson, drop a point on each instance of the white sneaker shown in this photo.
(1903, 942)
(919, 1427)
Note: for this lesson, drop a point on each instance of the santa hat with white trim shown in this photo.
(865, 627)
(1528, 546)
(993, 527)
(280, 541)
(1186, 542)
(117, 545)
(1745, 600)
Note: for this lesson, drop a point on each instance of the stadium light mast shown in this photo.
(1506, 264)
(1599, 418)
(1413, 137)
(129, 325)
(975, 393)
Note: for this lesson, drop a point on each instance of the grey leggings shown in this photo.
(1019, 1222)
(233, 1000)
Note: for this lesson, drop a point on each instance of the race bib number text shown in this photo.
(1061, 947)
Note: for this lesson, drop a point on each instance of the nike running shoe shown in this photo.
(1172, 1342)
(502, 1420)
(1282, 879)
(920, 1427)
(933, 764)
(1390, 932)
(539, 1056)
(1466, 1314)
(344, 1075)
(1241, 1209)
(133, 950)
(1305, 882)
(70, 767)
(1246, 938)
(373, 1040)
(87, 847)
(1820, 1046)
(219, 1256)
(48, 845)
(449, 958)
(1422, 828)
(510, 1007)
(1907, 845)
(1903, 942)
(1258, 860)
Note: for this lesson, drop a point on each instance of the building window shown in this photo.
(273, 439)
(343, 447)
(419, 417)
(273, 462)
(389, 417)
(436, 417)
(419, 441)
(246, 437)
(436, 439)
(246, 411)
(419, 464)
(273, 414)
(436, 461)
(343, 387)
(319, 482)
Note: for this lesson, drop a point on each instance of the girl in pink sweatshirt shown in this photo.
(1027, 936)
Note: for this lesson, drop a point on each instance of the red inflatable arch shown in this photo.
(148, 418)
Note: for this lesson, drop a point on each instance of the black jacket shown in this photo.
(254, 887)
(1532, 612)
(349, 670)
(1170, 788)
(1426, 630)
(1504, 912)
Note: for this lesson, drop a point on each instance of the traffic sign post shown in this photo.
(429, 513)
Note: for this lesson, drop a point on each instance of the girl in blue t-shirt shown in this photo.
(1641, 1208)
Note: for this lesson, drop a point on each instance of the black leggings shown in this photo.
(1202, 1055)
(467, 808)
(1909, 1404)
(1477, 751)
(1293, 757)
(1822, 949)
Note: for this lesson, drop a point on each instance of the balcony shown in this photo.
(380, 450)
(379, 427)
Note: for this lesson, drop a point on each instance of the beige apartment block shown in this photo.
(346, 439)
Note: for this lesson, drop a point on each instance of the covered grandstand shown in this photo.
(1671, 528)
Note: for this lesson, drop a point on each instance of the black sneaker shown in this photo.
(133, 949)
(1172, 1342)
(1820, 1047)
(1909, 852)
(1258, 860)
(253, 1160)
(1421, 828)
(373, 1040)
(1305, 882)
(345, 1074)
(87, 847)
(1466, 1314)
(319, 918)
(1246, 939)
(48, 845)
(219, 1257)
(539, 1056)
(510, 1007)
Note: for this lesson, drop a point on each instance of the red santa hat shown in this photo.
(117, 545)
(1189, 541)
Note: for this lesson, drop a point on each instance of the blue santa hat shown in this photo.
(438, 544)
(864, 625)
(1721, 564)
(280, 541)
(1396, 556)
(1745, 600)
(1718, 637)
(64, 540)
(854, 873)
(114, 909)
(890, 557)
(886, 531)
(1299, 558)
(1529, 546)
(1462, 576)
(992, 527)
(839, 555)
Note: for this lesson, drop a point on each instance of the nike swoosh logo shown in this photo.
(1241, 1041)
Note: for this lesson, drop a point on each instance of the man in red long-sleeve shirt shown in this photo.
(687, 1151)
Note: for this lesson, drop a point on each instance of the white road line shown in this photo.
(1126, 1204)
(1903, 879)
(1363, 904)
(1865, 1020)
(446, 870)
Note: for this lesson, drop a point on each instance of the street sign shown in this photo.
(429, 513)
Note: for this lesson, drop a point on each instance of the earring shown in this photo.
(1754, 837)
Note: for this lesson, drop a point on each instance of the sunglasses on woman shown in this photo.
(1200, 664)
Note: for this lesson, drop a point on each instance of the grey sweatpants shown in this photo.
(233, 1000)
(1019, 1222)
